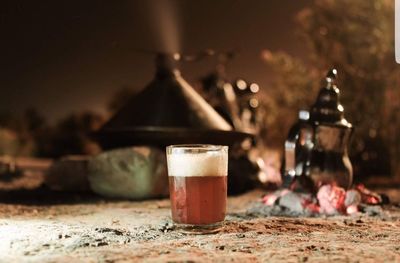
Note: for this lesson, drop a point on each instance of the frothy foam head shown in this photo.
(198, 164)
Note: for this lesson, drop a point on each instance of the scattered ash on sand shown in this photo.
(145, 230)
(258, 209)
(107, 236)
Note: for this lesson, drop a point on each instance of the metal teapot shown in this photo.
(316, 147)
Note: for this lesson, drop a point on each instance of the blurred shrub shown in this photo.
(356, 37)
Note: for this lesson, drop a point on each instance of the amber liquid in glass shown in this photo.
(198, 200)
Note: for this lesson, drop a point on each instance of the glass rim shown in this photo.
(197, 147)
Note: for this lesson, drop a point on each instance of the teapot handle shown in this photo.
(291, 144)
(303, 132)
(290, 156)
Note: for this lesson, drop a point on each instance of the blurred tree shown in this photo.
(71, 135)
(32, 126)
(357, 38)
(7, 120)
(9, 144)
(8, 137)
(23, 143)
(30, 135)
(33, 120)
(292, 89)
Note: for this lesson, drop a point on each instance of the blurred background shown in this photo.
(67, 66)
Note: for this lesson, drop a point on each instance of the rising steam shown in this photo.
(164, 14)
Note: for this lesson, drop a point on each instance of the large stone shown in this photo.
(133, 173)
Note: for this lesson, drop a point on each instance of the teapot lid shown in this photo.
(327, 107)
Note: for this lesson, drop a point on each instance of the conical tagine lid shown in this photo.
(168, 111)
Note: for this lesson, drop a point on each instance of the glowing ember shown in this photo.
(270, 199)
(352, 209)
(330, 199)
(368, 196)
(311, 206)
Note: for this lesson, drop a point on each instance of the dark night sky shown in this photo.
(64, 56)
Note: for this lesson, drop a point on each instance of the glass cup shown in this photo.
(198, 186)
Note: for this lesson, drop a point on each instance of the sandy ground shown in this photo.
(120, 231)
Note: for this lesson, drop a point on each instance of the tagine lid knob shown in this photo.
(166, 64)
(327, 107)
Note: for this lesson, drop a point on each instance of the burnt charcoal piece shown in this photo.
(166, 226)
(294, 201)
(353, 197)
(372, 210)
(385, 199)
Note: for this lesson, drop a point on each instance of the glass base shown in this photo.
(199, 229)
